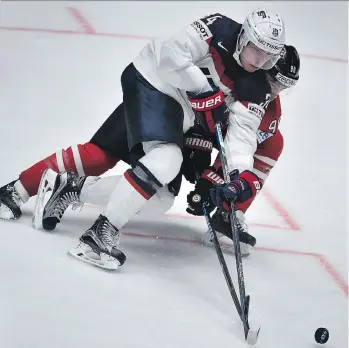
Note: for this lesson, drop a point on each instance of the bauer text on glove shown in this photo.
(210, 108)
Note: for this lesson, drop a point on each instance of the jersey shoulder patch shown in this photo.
(202, 29)
(253, 88)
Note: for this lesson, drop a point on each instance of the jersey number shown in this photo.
(210, 20)
(273, 125)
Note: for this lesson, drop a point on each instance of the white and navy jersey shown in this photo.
(202, 55)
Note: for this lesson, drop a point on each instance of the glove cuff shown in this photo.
(198, 143)
(212, 176)
(207, 103)
(252, 181)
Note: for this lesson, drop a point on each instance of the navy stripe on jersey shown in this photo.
(252, 87)
(142, 180)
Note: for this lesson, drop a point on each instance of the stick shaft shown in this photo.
(238, 258)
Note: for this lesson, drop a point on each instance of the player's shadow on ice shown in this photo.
(163, 227)
(155, 236)
(165, 249)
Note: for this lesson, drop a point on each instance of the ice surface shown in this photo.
(58, 84)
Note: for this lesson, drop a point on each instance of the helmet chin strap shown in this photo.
(237, 58)
(236, 55)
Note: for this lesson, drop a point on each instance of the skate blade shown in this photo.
(106, 262)
(227, 248)
(47, 181)
(6, 213)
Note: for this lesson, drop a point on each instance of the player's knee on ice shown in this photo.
(163, 160)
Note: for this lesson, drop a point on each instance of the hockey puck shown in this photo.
(321, 335)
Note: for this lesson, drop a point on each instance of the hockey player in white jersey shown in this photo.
(171, 68)
(70, 188)
(213, 70)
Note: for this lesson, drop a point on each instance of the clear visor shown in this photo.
(259, 58)
(280, 83)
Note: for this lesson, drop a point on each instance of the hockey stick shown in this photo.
(222, 261)
(252, 336)
(244, 300)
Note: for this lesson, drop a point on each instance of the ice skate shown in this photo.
(66, 189)
(98, 246)
(223, 229)
(10, 202)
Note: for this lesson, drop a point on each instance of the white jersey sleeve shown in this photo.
(173, 60)
(241, 138)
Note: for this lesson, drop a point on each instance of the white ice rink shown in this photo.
(60, 66)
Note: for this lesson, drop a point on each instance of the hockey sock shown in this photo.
(132, 191)
(86, 159)
(98, 190)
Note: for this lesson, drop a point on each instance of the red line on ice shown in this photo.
(341, 283)
(256, 224)
(289, 220)
(333, 273)
(89, 30)
(290, 223)
(323, 261)
(75, 32)
(81, 19)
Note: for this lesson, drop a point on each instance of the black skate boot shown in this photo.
(10, 202)
(98, 246)
(66, 188)
(223, 228)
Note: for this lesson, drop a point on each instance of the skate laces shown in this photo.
(10, 189)
(64, 202)
(242, 226)
(15, 197)
(109, 234)
(77, 205)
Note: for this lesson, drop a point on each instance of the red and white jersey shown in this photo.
(270, 121)
(202, 55)
(269, 142)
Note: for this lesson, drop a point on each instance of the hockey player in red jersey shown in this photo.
(284, 75)
(214, 70)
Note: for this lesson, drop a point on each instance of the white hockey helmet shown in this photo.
(263, 31)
